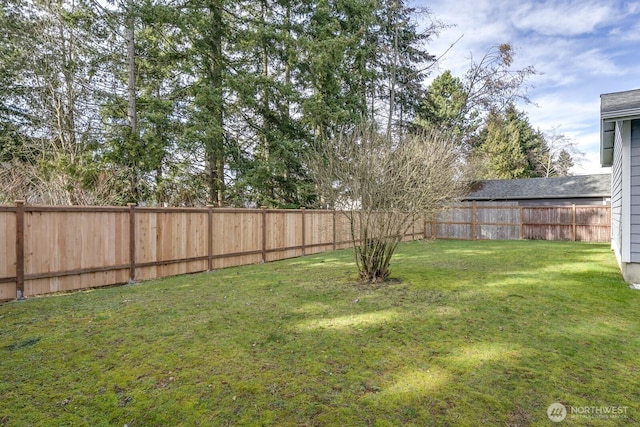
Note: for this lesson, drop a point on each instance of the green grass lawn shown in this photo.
(467, 333)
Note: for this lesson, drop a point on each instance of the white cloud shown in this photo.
(575, 119)
(597, 62)
(569, 113)
(558, 18)
(590, 165)
(626, 34)
(632, 8)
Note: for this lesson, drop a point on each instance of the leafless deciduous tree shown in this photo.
(383, 185)
(559, 155)
(491, 83)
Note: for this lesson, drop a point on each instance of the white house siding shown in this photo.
(616, 194)
(635, 191)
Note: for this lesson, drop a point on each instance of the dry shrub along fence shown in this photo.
(46, 249)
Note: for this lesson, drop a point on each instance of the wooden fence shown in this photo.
(494, 221)
(45, 249)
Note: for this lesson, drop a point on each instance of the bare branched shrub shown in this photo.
(383, 185)
(37, 185)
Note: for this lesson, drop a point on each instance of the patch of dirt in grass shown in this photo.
(519, 418)
(378, 285)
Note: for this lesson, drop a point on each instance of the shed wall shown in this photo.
(582, 201)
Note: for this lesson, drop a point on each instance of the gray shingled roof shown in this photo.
(542, 188)
(619, 102)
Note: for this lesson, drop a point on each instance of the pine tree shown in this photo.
(444, 106)
(563, 163)
(268, 160)
(507, 147)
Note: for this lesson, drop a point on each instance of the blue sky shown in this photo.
(583, 48)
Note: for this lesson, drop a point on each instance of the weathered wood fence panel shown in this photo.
(415, 230)
(453, 223)
(593, 224)
(8, 242)
(494, 221)
(475, 221)
(46, 249)
(547, 223)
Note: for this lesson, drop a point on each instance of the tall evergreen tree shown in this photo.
(405, 60)
(267, 165)
(563, 163)
(508, 147)
(444, 107)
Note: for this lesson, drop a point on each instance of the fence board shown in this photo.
(416, 229)
(453, 231)
(592, 233)
(498, 232)
(498, 215)
(455, 214)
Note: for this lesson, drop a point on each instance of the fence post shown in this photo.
(264, 233)
(573, 223)
(303, 232)
(210, 237)
(132, 242)
(20, 249)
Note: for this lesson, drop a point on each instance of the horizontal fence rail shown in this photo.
(48, 249)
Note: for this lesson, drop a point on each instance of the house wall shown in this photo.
(634, 197)
(625, 199)
(616, 194)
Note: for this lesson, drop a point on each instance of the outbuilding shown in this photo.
(555, 191)
(620, 150)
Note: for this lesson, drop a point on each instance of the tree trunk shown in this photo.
(214, 144)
